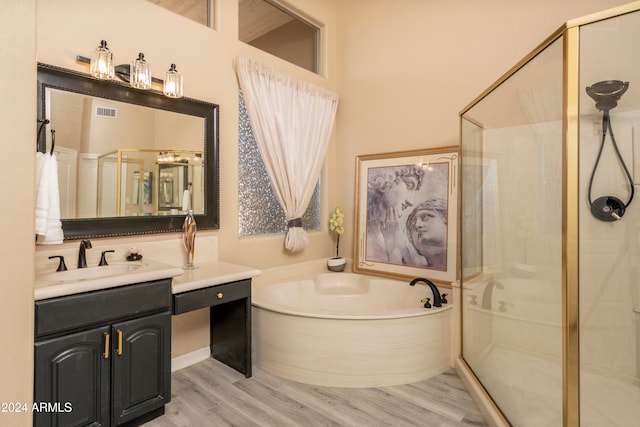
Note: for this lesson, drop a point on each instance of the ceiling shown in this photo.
(196, 10)
(258, 17)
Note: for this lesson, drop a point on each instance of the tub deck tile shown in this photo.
(212, 394)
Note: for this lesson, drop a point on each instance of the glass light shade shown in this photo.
(102, 66)
(173, 83)
(140, 77)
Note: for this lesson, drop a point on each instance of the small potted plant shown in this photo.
(336, 223)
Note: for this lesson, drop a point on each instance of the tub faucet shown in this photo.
(82, 256)
(488, 292)
(437, 299)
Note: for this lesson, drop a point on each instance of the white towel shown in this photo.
(42, 193)
(48, 201)
(186, 199)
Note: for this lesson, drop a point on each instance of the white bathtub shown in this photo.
(350, 330)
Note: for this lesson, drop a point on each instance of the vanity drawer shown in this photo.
(211, 296)
(93, 308)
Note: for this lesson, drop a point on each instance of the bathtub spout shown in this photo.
(437, 299)
(488, 292)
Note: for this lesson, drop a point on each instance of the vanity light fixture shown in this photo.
(166, 157)
(101, 64)
(173, 83)
(137, 74)
(140, 76)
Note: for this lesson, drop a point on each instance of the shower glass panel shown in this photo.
(550, 229)
(512, 241)
(609, 249)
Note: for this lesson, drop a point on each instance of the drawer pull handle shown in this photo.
(106, 345)
(220, 295)
(119, 349)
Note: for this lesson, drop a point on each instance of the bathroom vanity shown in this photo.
(103, 344)
(105, 354)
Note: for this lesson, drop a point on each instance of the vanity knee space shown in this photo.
(230, 320)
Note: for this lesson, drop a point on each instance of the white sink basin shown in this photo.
(88, 273)
(53, 284)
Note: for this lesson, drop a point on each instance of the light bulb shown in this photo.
(101, 65)
(140, 73)
(173, 83)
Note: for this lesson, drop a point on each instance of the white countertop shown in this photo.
(210, 274)
(206, 274)
(47, 285)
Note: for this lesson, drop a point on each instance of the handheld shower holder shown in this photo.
(606, 94)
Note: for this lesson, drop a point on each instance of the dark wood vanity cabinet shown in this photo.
(103, 358)
(71, 373)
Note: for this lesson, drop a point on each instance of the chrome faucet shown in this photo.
(488, 292)
(437, 298)
(82, 256)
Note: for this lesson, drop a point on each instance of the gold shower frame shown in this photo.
(569, 33)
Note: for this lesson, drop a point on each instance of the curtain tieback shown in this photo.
(296, 222)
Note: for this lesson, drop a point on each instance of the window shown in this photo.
(269, 27)
(259, 211)
(264, 24)
(196, 10)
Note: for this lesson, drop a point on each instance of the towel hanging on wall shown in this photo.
(48, 226)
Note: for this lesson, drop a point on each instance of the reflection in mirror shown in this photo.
(172, 183)
(101, 140)
(129, 161)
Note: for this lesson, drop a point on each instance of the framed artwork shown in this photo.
(406, 214)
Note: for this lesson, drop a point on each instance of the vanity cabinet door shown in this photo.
(72, 380)
(141, 378)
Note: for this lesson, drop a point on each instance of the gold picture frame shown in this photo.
(406, 214)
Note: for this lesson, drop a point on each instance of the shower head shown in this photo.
(607, 93)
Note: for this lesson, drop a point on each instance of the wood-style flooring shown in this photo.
(210, 394)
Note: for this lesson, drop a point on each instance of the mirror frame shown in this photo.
(50, 76)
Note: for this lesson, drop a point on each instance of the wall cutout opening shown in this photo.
(270, 27)
(196, 10)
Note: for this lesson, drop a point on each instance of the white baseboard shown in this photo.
(185, 360)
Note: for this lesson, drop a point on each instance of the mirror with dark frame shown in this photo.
(129, 161)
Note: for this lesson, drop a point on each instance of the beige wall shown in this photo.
(17, 121)
(404, 69)
(407, 68)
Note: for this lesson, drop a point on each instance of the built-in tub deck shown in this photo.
(350, 330)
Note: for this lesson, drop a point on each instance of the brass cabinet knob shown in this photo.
(220, 295)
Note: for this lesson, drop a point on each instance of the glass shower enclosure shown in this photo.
(550, 230)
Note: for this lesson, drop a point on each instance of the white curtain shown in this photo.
(291, 121)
